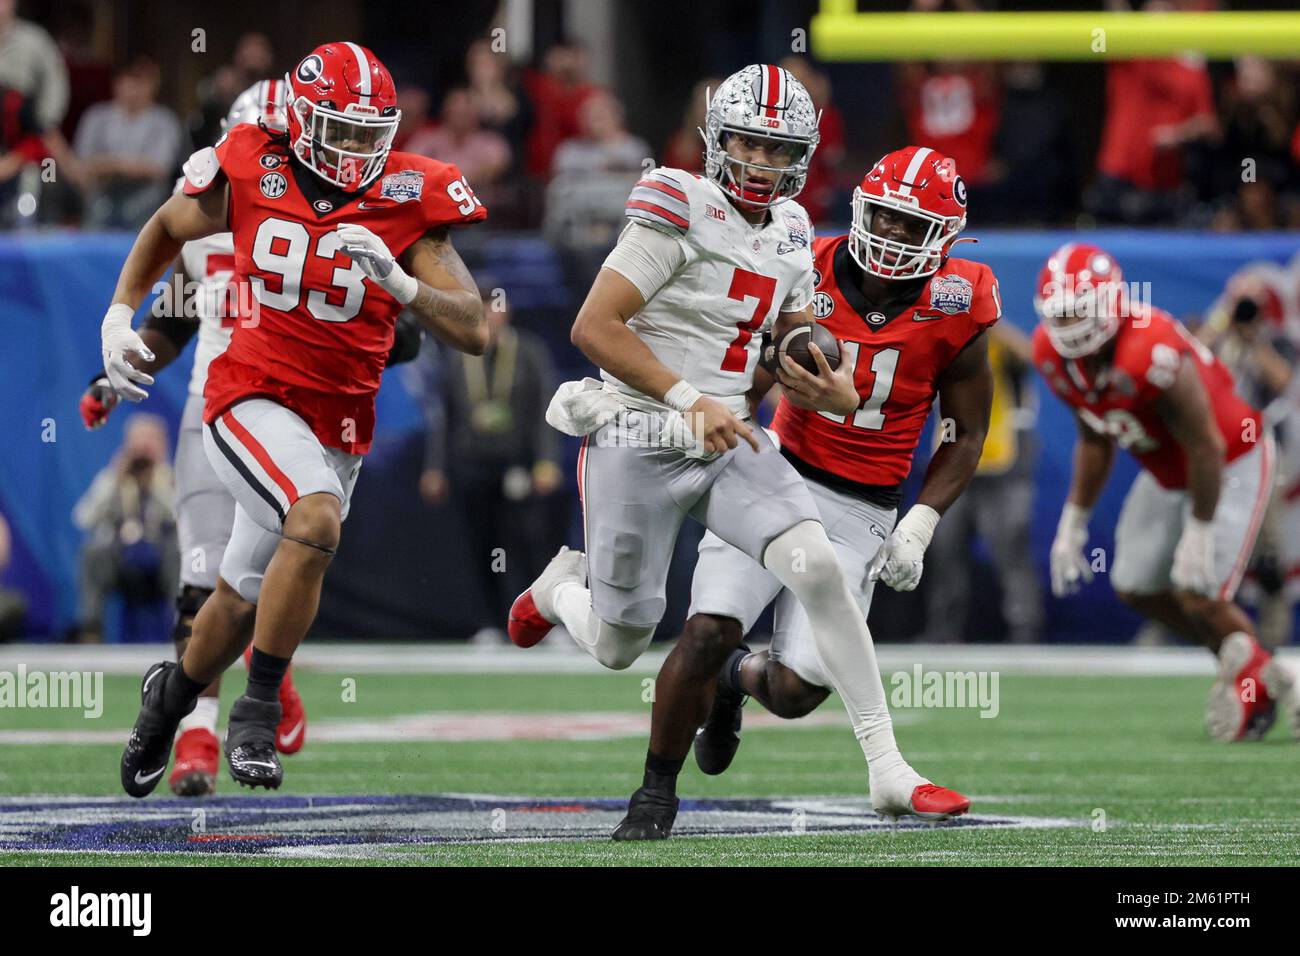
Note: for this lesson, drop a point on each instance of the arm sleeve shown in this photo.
(647, 258)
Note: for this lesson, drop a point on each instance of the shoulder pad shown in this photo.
(659, 201)
(200, 170)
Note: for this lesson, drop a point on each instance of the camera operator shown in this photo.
(1248, 329)
(127, 514)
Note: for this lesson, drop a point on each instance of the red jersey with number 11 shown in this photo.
(897, 364)
(313, 333)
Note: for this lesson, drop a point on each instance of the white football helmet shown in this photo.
(263, 102)
(762, 101)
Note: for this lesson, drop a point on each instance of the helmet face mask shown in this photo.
(342, 114)
(1081, 300)
(760, 106)
(345, 148)
(907, 213)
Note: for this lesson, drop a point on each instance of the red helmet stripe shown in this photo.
(772, 89)
(363, 63)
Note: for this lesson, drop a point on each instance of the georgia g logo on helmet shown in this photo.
(765, 104)
(342, 114)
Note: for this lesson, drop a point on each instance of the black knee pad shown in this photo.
(188, 603)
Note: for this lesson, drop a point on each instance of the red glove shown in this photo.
(99, 399)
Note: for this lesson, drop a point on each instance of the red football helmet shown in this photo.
(1080, 298)
(907, 213)
(343, 115)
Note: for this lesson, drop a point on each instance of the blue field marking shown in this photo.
(293, 824)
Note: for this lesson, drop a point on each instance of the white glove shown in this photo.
(371, 254)
(899, 561)
(1193, 568)
(116, 339)
(1070, 566)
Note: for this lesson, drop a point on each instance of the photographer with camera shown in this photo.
(1249, 329)
(127, 514)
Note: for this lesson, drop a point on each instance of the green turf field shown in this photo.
(1123, 759)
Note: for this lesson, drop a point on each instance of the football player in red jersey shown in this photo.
(1136, 378)
(334, 234)
(909, 320)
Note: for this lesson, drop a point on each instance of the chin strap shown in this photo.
(963, 239)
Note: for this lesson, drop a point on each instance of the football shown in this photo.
(795, 345)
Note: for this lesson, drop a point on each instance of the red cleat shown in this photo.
(526, 625)
(1240, 707)
(291, 733)
(930, 802)
(195, 771)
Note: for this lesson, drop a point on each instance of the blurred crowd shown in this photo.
(1181, 142)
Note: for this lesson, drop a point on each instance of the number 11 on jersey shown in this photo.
(883, 365)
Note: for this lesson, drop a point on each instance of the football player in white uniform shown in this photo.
(205, 508)
(673, 321)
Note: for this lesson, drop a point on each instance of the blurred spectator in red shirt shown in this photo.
(482, 155)
(953, 108)
(819, 196)
(1257, 177)
(31, 64)
(557, 93)
(685, 147)
(1156, 110)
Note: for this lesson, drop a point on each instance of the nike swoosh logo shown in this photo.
(151, 678)
(287, 740)
(927, 318)
(142, 778)
(257, 763)
(366, 205)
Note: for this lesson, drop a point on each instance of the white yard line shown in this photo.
(365, 658)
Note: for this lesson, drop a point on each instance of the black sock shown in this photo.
(265, 672)
(661, 772)
(180, 690)
(729, 676)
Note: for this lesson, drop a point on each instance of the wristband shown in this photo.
(682, 396)
(118, 318)
(920, 521)
(402, 287)
(1074, 517)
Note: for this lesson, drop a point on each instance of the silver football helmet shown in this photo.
(764, 102)
(263, 101)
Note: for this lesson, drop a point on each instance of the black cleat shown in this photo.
(250, 743)
(718, 740)
(150, 745)
(650, 816)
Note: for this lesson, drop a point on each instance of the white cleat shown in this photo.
(1280, 681)
(533, 614)
(909, 794)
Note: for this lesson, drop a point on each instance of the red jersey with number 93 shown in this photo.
(313, 333)
(897, 363)
(1120, 401)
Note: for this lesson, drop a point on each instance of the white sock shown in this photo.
(204, 714)
(616, 646)
(804, 560)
